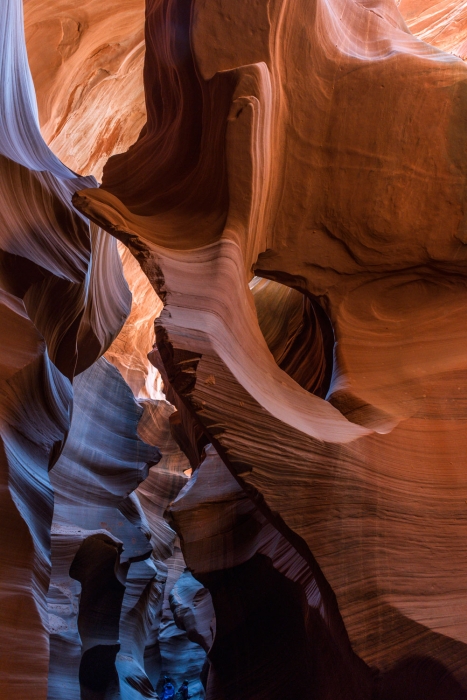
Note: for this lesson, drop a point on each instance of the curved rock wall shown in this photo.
(87, 65)
(442, 24)
(58, 315)
(98, 535)
(318, 548)
(172, 649)
(326, 152)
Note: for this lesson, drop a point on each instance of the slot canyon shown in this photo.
(233, 359)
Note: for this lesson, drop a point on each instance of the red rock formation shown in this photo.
(320, 146)
(274, 613)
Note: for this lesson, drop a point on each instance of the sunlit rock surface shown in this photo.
(82, 592)
(129, 350)
(86, 59)
(441, 23)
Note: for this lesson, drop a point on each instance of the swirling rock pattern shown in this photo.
(320, 405)
(173, 651)
(260, 586)
(58, 316)
(443, 24)
(115, 633)
(108, 539)
(87, 67)
(321, 146)
(81, 592)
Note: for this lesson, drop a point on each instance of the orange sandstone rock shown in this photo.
(321, 146)
(86, 59)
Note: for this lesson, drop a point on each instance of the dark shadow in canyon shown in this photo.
(419, 678)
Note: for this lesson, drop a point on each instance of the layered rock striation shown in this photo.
(82, 589)
(87, 67)
(64, 299)
(324, 152)
(442, 24)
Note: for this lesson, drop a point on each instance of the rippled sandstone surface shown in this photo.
(443, 24)
(49, 254)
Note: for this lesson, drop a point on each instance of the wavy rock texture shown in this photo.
(443, 24)
(84, 602)
(87, 68)
(63, 300)
(100, 538)
(129, 350)
(115, 634)
(274, 614)
(321, 146)
(172, 650)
